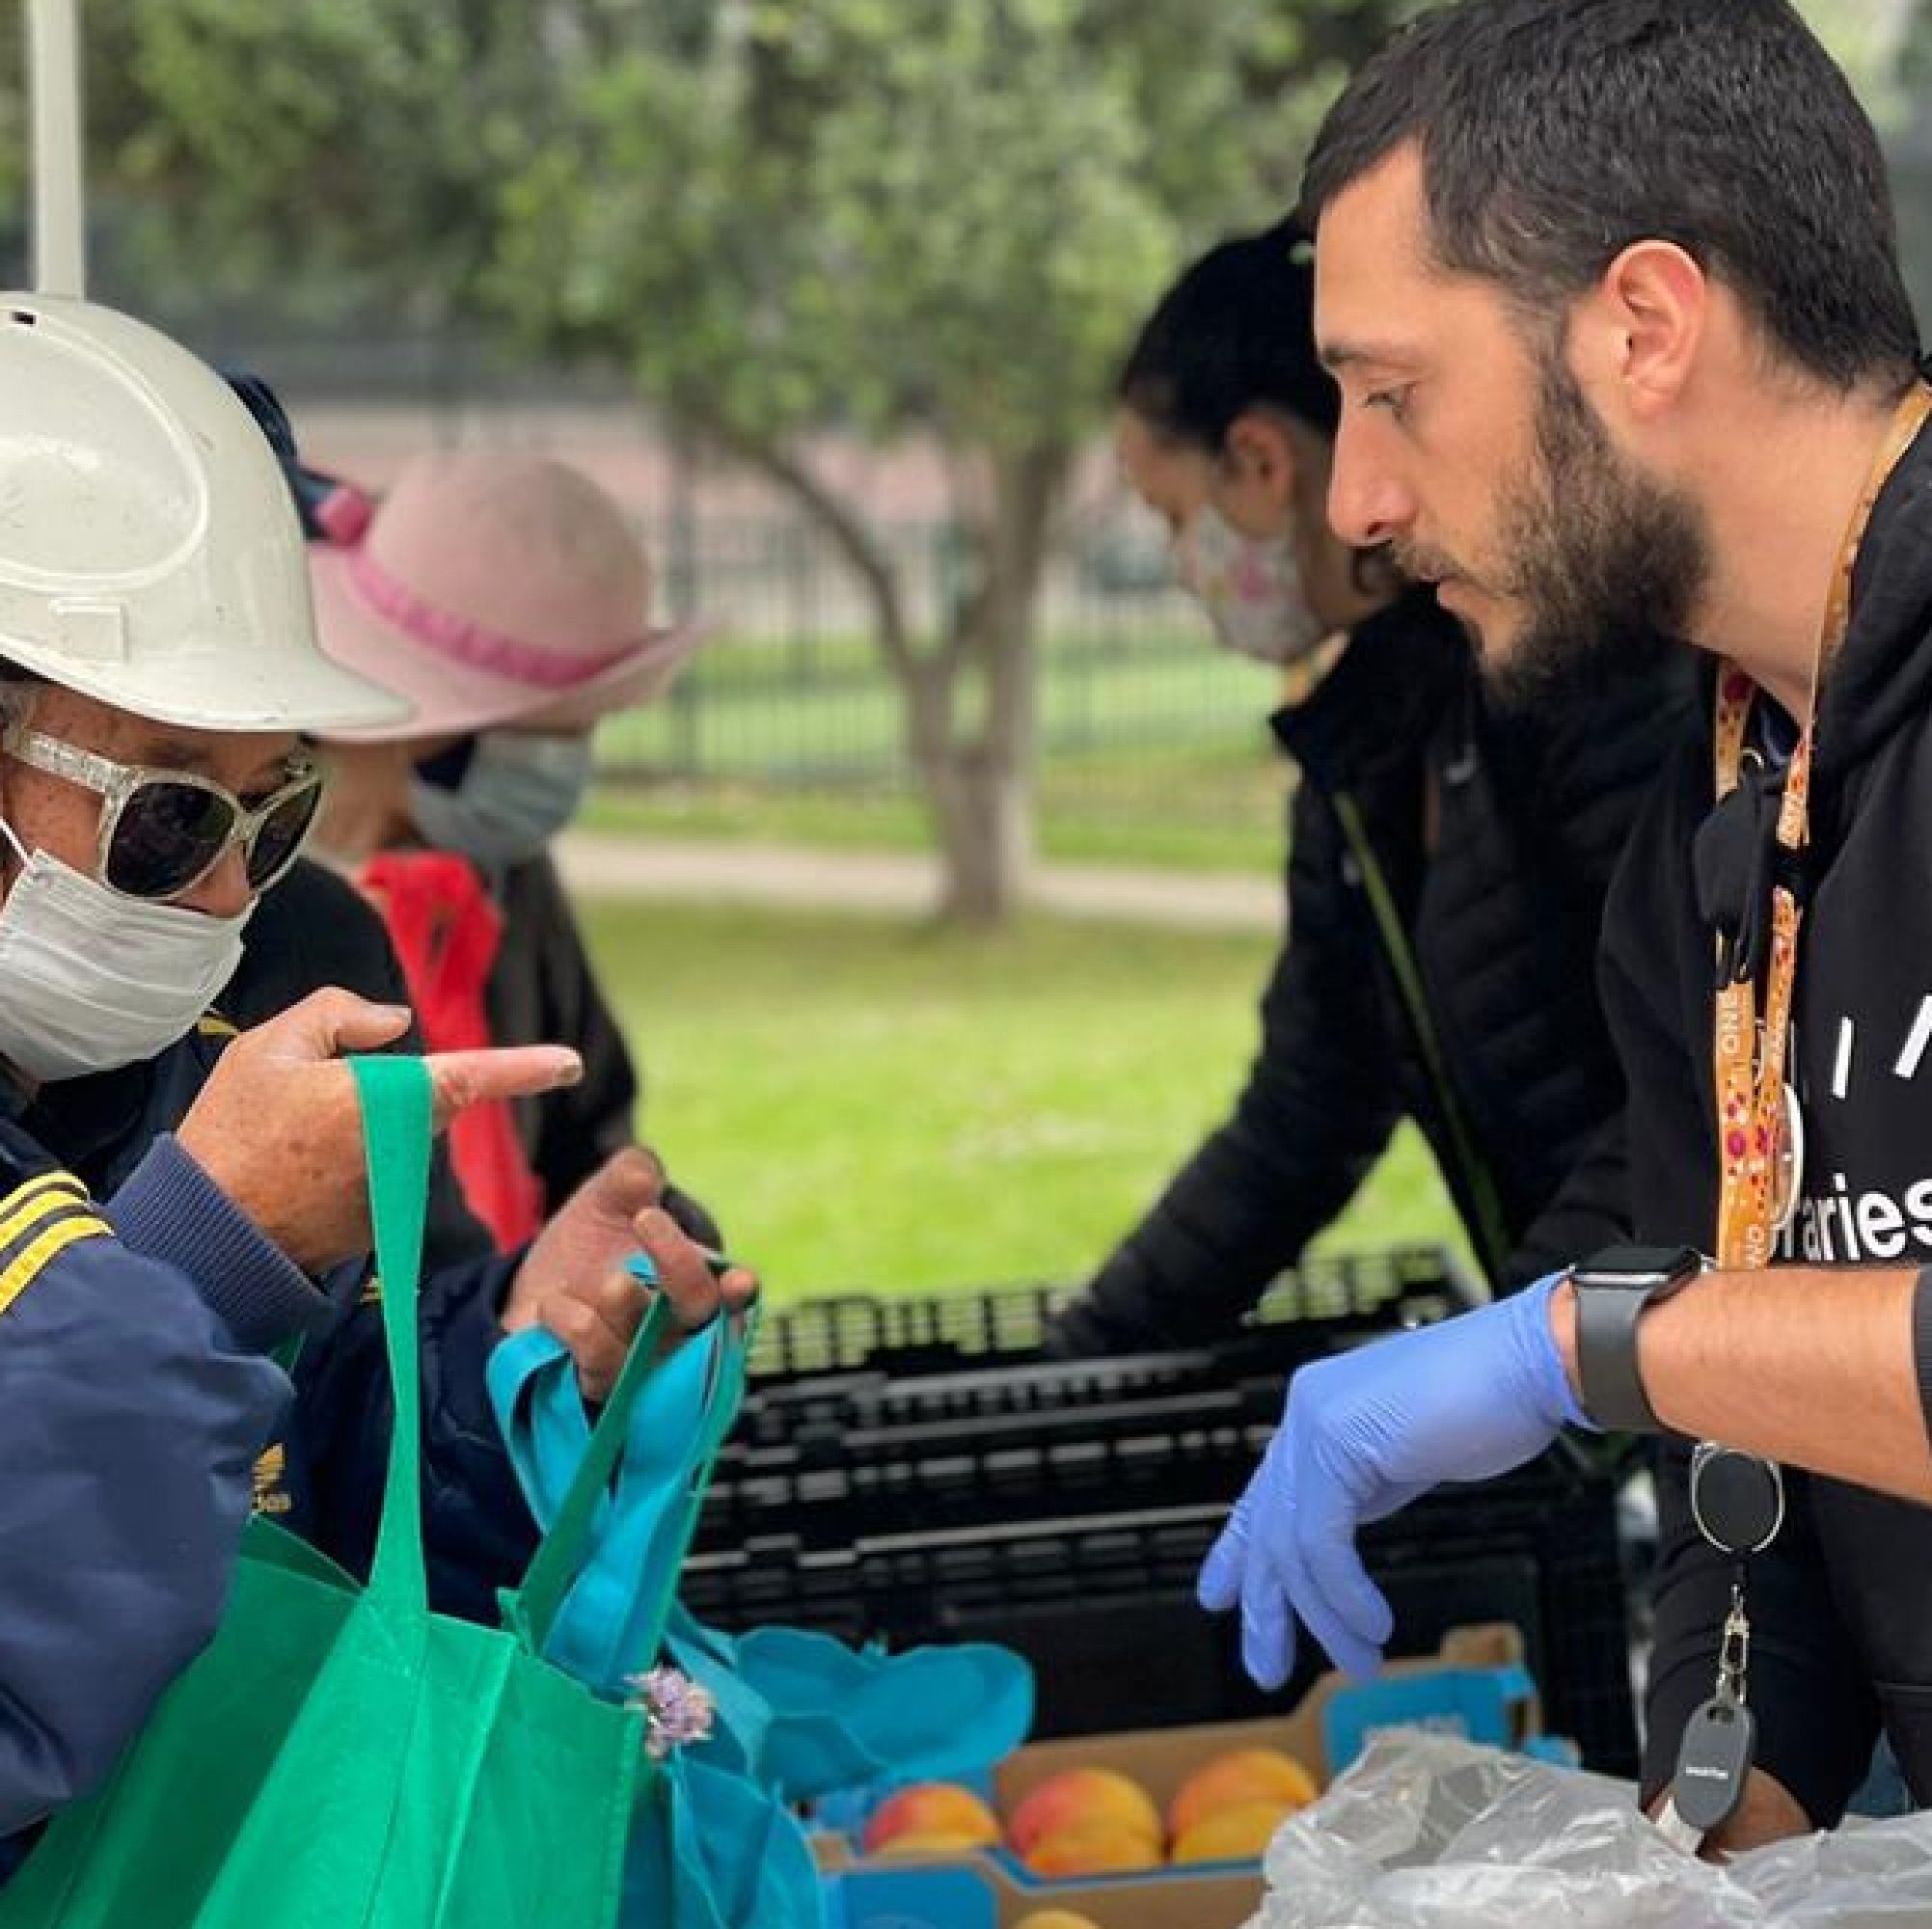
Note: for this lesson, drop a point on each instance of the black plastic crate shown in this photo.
(1047, 1449)
(1102, 1605)
(820, 1413)
(942, 1332)
(833, 1459)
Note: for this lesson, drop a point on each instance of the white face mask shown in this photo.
(518, 791)
(1250, 587)
(90, 980)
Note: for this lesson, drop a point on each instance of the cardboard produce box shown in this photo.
(1474, 1687)
(1466, 1688)
(986, 1895)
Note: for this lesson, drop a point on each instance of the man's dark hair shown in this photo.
(1555, 133)
(1236, 332)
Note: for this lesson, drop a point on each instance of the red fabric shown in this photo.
(447, 932)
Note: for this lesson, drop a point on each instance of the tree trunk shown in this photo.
(982, 789)
(982, 812)
(978, 787)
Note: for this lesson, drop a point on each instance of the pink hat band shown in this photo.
(473, 590)
(474, 645)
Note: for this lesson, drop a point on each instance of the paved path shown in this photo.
(601, 865)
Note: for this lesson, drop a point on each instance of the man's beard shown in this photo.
(1605, 563)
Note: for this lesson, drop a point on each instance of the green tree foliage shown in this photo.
(306, 158)
(929, 217)
(1914, 54)
(1865, 38)
(906, 216)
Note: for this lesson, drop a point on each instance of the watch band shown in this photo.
(1614, 1289)
(1606, 1358)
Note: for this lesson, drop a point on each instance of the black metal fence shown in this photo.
(792, 690)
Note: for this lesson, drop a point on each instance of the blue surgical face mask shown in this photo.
(518, 791)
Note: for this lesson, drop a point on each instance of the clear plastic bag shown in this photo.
(1429, 1833)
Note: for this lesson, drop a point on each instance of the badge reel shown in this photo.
(1737, 1501)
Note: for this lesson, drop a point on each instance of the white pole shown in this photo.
(59, 231)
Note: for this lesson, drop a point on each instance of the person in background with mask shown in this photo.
(1447, 865)
(505, 596)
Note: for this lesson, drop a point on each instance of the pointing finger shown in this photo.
(460, 1078)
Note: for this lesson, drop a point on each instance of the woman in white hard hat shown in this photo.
(177, 1202)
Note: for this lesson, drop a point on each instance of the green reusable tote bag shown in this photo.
(339, 1758)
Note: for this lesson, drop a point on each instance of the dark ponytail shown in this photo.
(1236, 331)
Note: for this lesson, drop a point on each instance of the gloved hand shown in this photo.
(1363, 1436)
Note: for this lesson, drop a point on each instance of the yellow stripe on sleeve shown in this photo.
(26, 1267)
(27, 1206)
(47, 1181)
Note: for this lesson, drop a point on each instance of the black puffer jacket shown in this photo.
(1446, 880)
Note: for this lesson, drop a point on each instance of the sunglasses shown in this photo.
(163, 832)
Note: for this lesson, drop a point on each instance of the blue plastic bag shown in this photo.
(711, 1849)
(798, 1714)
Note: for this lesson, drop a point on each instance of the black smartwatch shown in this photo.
(1614, 1288)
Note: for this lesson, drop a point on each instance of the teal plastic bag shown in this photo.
(741, 1859)
(710, 1848)
(610, 1618)
(798, 1714)
(807, 1716)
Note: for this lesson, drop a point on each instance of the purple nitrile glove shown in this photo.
(1362, 1435)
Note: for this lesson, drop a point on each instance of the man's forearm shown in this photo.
(1814, 1366)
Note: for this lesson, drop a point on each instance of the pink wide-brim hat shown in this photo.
(491, 590)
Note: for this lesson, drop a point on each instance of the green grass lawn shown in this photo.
(868, 1104)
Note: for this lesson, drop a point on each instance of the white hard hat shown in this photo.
(150, 555)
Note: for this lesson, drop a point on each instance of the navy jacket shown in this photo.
(136, 1448)
(134, 1400)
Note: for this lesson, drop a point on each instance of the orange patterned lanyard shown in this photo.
(1749, 1056)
